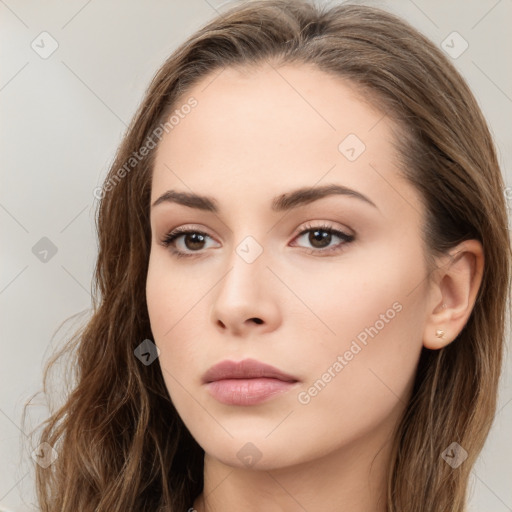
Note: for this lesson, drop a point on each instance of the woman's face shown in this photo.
(328, 288)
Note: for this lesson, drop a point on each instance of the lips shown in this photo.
(247, 382)
(246, 369)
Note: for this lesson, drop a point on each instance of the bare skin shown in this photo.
(252, 138)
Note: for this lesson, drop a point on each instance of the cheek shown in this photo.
(364, 369)
(169, 294)
(166, 298)
(175, 302)
(376, 302)
(361, 380)
(370, 298)
(159, 294)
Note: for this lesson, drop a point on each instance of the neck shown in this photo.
(352, 478)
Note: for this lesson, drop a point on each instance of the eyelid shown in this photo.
(183, 230)
(322, 224)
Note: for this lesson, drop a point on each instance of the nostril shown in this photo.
(257, 320)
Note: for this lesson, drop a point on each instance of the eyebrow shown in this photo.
(284, 202)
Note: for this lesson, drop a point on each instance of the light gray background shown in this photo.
(62, 119)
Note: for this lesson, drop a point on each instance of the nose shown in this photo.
(246, 299)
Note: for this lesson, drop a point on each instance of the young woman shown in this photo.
(302, 279)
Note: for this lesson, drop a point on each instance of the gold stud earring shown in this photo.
(440, 333)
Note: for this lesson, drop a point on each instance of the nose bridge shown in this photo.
(247, 269)
(245, 294)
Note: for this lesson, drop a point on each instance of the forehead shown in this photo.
(265, 108)
(284, 127)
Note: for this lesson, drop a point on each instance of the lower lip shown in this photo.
(247, 391)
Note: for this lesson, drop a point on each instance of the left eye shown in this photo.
(320, 238)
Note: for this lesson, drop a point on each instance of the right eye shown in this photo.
(187, 240)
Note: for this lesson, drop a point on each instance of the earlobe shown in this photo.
(453, 293)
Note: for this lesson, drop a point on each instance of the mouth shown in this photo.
(247, 382)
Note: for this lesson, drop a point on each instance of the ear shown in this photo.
(453, 292)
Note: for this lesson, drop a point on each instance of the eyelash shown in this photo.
(171, 237)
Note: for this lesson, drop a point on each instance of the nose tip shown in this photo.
(246, 297)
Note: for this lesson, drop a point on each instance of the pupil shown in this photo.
(320, 240)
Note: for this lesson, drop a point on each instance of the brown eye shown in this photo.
(194, 241)
(186, 242)
(320, 238)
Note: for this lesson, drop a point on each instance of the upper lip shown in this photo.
(245, 369)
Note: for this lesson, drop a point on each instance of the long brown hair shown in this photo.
(121, 444)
